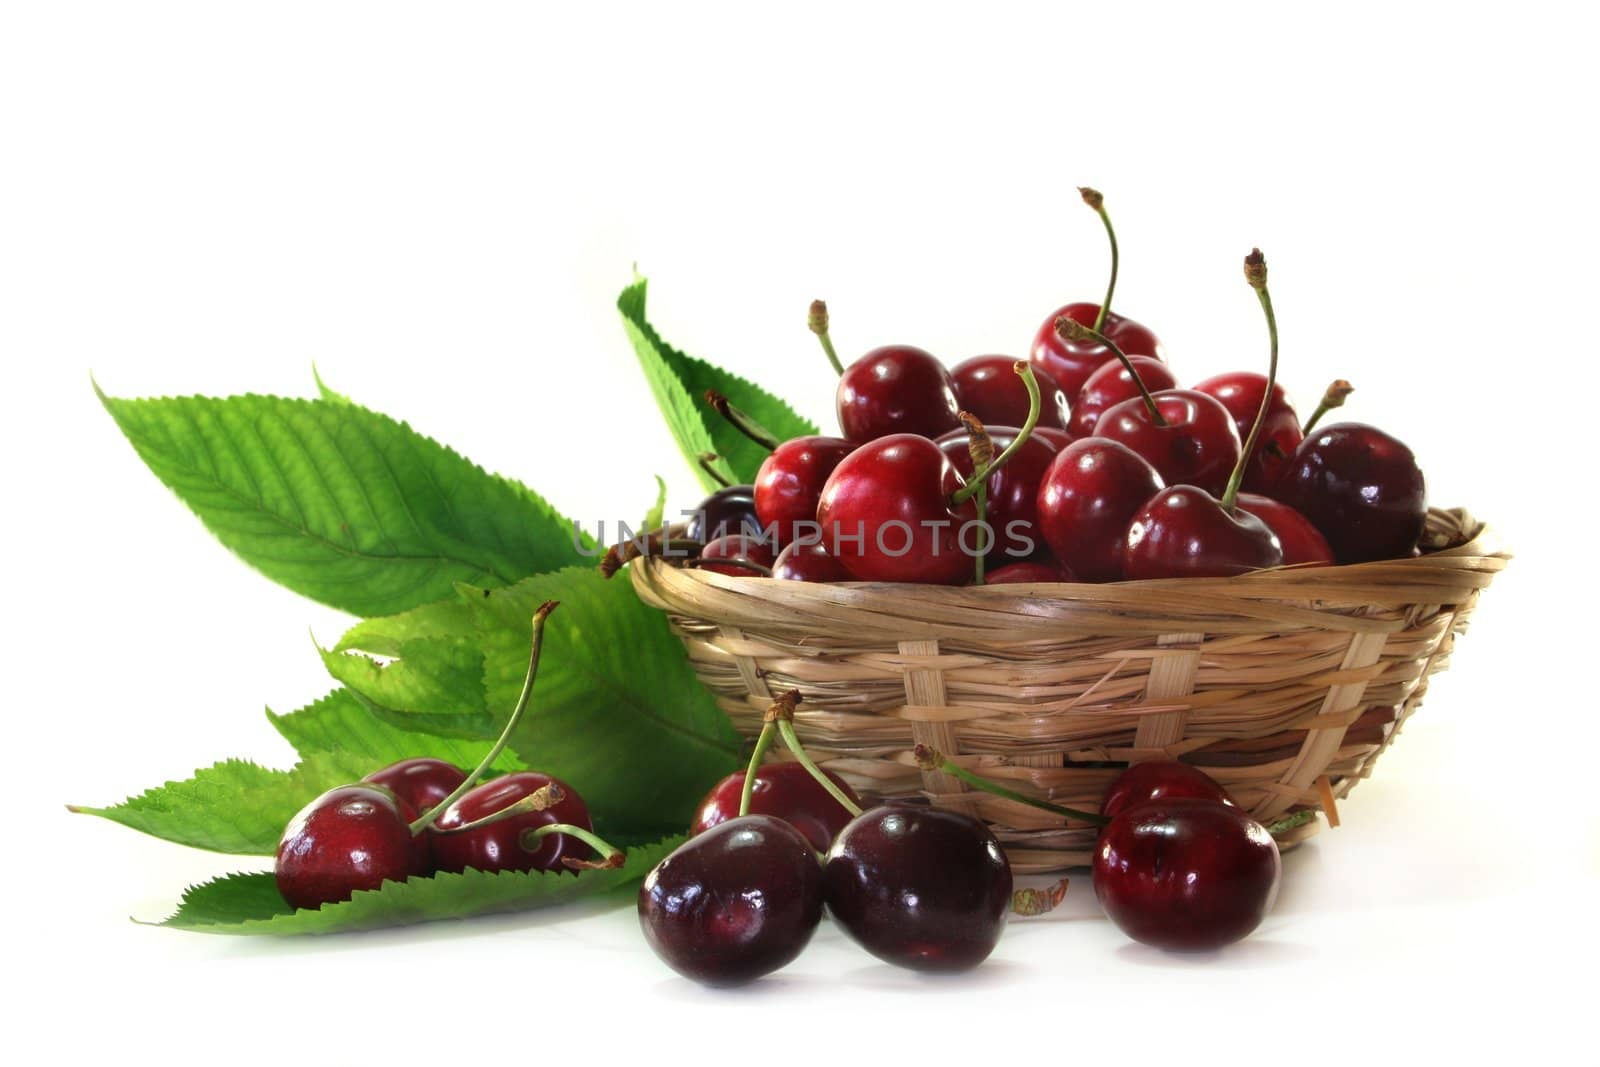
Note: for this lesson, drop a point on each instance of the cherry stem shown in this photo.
(781, 715)
(1098, 202)
(708, 463)
(930, 759)
(618, 556)
(1073, 330)
(742, 421)
(541, 799)
(1333, 398)
(607, 850)
(426, 819)
(769, 734)
(980, 446)
(818, 321)
(979, 477)
(1255, 272)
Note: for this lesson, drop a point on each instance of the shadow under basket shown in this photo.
(1284, 685)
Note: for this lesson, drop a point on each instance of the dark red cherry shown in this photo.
(1088, 497)
(896, 389)
(735, 547)
(1111, 384)
(1160, 779)
(989, 388)
(1071, 362)
(734, 903)
(1013, 490)
(1361, 488)
(790, 482)
(1186, 875)
(785, 791)
(1197, 446)
(725, 511)
(1241, 392)
(350, 838)
(501, 846)
(919, 887)
(1301, 541)
(806, 561)
(421, 783)
(886, 514)
(1185, 532)
(1029, 571)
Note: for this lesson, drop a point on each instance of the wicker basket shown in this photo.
(1284, 685)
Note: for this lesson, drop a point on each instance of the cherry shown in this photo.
(730, 509)
(1194, 443)
(1013, 490)
(1241, 393)
(734, 903)
(1359, 486)
(422, 784)
(740, 550)
(1301, 541)
(987, 387)
(350, 838)
(1186, 874)
(790, 482)
(1029, 571)
(887, 516)
(785, 791)
(1057, 439)
(1089, 494)
(1111, 384)
(1157, 780)
(808, 561)
(507, 844)
(893, 390)
(919, 887)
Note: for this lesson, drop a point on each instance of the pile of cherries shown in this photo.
(1084, 463)
(1178, 865)
(421, 816)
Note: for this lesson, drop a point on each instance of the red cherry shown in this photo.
(785, 791)
(1241, 392)
(1186, 875)
(350, 838)
(1111, 384)
(989, 388)
(1197, 446)
(790, 482)
(1160, 779)
(886, 514)
(1301, 542)
(737, 546)
(500, 846)
(808, 561)
(421, 783)
(896, 389)
(1071, 363)
(1361, 488)
(1087, 498)
(1013, 490)
(1027, 572)
(1185, 532)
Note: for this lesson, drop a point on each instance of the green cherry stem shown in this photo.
(1072, 330)
(930, 759)
(781, 715)
(981, 448)
(1098, 202)
(1255, 272)
(818, 321)
(769, 734)
(742, 421)
(1333, 398)
(708, 463)
(541, 799)
(611, 856)
(426, 819)
(979, 477)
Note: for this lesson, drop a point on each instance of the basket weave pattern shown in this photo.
(1280, 684)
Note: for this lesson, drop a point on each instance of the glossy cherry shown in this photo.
(790, 482)
(886, 514)
(1186, 874)
(1071, 363)
(809, 561)
(989, 388)
(919, 887)
(1029, 571)
(1160, 779)
(737, 547)
(1360, 487)
(501, 846)
(1113, 383)
(1241, 393)
(896, 389)
(1086, 500)
(422, 783)
(350, 838)
(734, 903)
(1198, 444)
(1184, 532)
(728, 510)
(1302, 543)
(1012, 491)
(785, 791)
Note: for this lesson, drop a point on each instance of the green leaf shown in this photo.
(652, 518)
(679, 383)
(430, 676)
(342, 504)
(340, 722)
(250, 904)
(234, 806)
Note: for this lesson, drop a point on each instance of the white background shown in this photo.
(438, 204)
